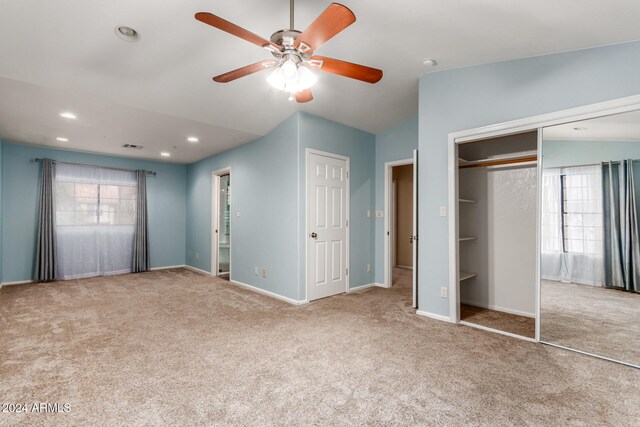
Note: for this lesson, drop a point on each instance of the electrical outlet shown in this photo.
(443, 211)
(444, 292)
(255, 270)
(238, 214)
(264, 273)
(379, 214)
(368, 268)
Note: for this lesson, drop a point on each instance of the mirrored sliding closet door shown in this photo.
(590, 239)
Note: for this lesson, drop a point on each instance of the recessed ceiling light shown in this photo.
(165, 154)
(430, 62)
(127, 34)
(192, 139)
(68, 115)
(62, 139)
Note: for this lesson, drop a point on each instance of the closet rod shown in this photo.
(94, 166)
(501, 162)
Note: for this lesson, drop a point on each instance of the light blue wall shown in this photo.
(326, 135)
(264, 189)
(267, 187)
(166, 199)
(577, 153)
(396, 143)
(478, 96)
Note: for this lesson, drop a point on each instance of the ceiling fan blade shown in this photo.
(244, 71)
(304, 96)
(347, 69)
(334, 19)
(224, 25)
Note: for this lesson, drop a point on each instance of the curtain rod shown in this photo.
(94, 166)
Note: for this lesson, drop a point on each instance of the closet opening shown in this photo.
(400, 256)
(497, 190)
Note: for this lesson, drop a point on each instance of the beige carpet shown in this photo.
(506, 322)
(175, 347)
(592, 319)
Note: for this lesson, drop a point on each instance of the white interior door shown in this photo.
(415, 229)
(327, 225)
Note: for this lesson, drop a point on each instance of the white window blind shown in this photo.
(95, 217)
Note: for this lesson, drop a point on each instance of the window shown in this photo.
(581, 195)
(79, 203)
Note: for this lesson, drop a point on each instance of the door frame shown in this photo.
(389, 229)
(533, 123)
(215, 220)
(347, 159)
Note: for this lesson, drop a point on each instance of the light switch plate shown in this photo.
(443, 211)
(369, 214)
(379, 214)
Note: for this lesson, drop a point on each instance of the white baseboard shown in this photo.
(167, 267)
(434, 316)
(497, 308)
(18, 282)
(367, 286)
(197, 270)
(267, 293)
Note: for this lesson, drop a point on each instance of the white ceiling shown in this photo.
(618, 127)
(69, 46)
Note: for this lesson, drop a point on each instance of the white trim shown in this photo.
(167, 267)
(17, 282)
(388, 179)
(591, 354)
(434, 316)
(538, 238)
(616, 106)
(197, 270)
(306, 215)
(215, 218)
(367, 286)
(585, 112)
(498, 331)
(267, 293)
(498, 308)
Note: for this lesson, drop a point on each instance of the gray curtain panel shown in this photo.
(46, 268)
(141, 236)
(620, 212)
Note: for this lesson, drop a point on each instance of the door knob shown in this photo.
(410, 239)
(314, 235)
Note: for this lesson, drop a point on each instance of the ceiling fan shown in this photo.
(294, 52)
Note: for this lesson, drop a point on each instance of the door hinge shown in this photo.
(347, 223)
(347, 271)
(347, 175)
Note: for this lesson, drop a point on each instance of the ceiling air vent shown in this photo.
(132, 146)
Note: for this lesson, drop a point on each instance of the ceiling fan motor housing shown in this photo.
(285, 38)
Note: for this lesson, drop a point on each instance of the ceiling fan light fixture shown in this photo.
(289, 70)
(306, 78)
(291, 77)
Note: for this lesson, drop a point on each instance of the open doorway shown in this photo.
(401, 227)
(221, 241)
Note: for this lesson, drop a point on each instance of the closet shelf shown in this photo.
(467, 201)
(465, 275)
(467, 238)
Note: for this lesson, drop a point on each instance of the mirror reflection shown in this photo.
(590, 240)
